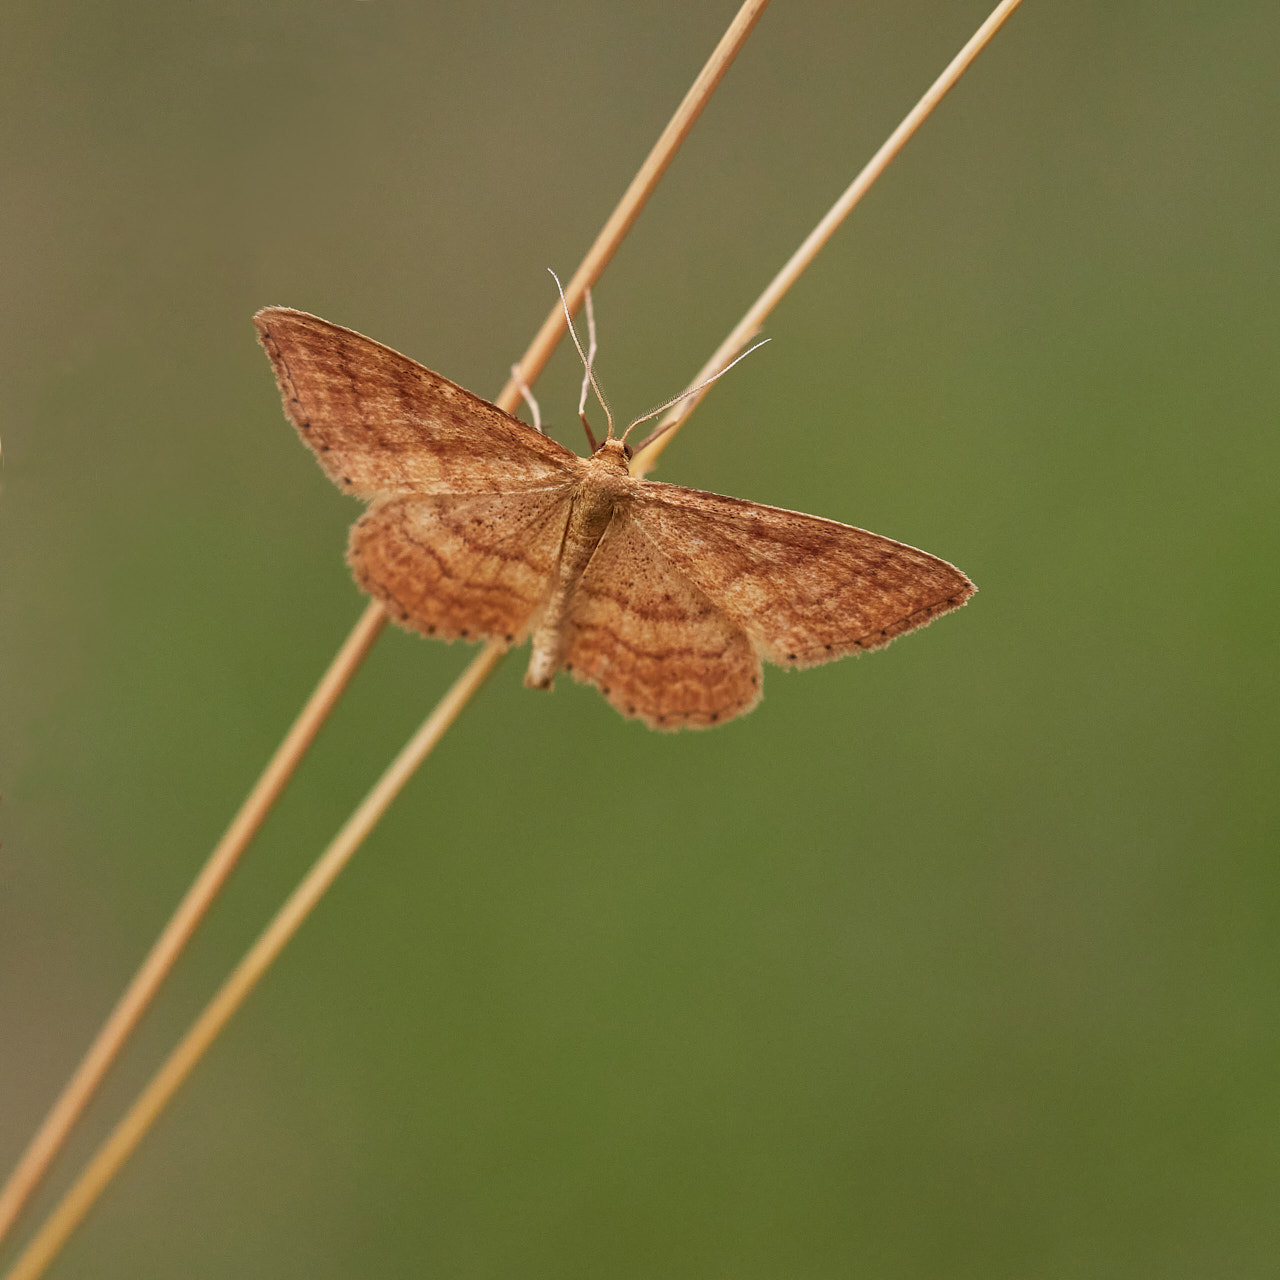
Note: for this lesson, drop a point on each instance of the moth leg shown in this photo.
(526, 393)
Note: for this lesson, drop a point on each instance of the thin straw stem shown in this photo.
(130, 1131)
(186, 918)
(747, 328)
(76, 1095)
(642, 185)
(125, 1137)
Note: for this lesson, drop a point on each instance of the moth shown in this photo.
(667, 599)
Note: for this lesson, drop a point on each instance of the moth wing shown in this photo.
(455, 566)
(806, 590)
(381, 423)
(651, 642)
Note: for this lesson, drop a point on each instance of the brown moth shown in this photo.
(665, 598)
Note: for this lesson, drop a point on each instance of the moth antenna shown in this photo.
(586, 376)
(582, 355)
(591, 352)
(659, 431)
(688, 391)
(526, 393)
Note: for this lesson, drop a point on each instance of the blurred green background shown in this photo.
(959, 960)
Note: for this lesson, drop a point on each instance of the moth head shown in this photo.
(613, 451)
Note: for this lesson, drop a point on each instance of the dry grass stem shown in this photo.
(747, 328)
(186, 918)
(76, 1095)
(633, 200)
(127, 1134)
(125, 1137)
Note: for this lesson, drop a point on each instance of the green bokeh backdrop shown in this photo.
(960, 960)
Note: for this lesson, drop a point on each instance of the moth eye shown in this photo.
(626, 451)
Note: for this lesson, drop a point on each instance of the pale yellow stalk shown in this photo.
(111, 1038)
(124, 1139)
(647, 455)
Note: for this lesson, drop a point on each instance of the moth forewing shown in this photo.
(807, 590)
(380, 423)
